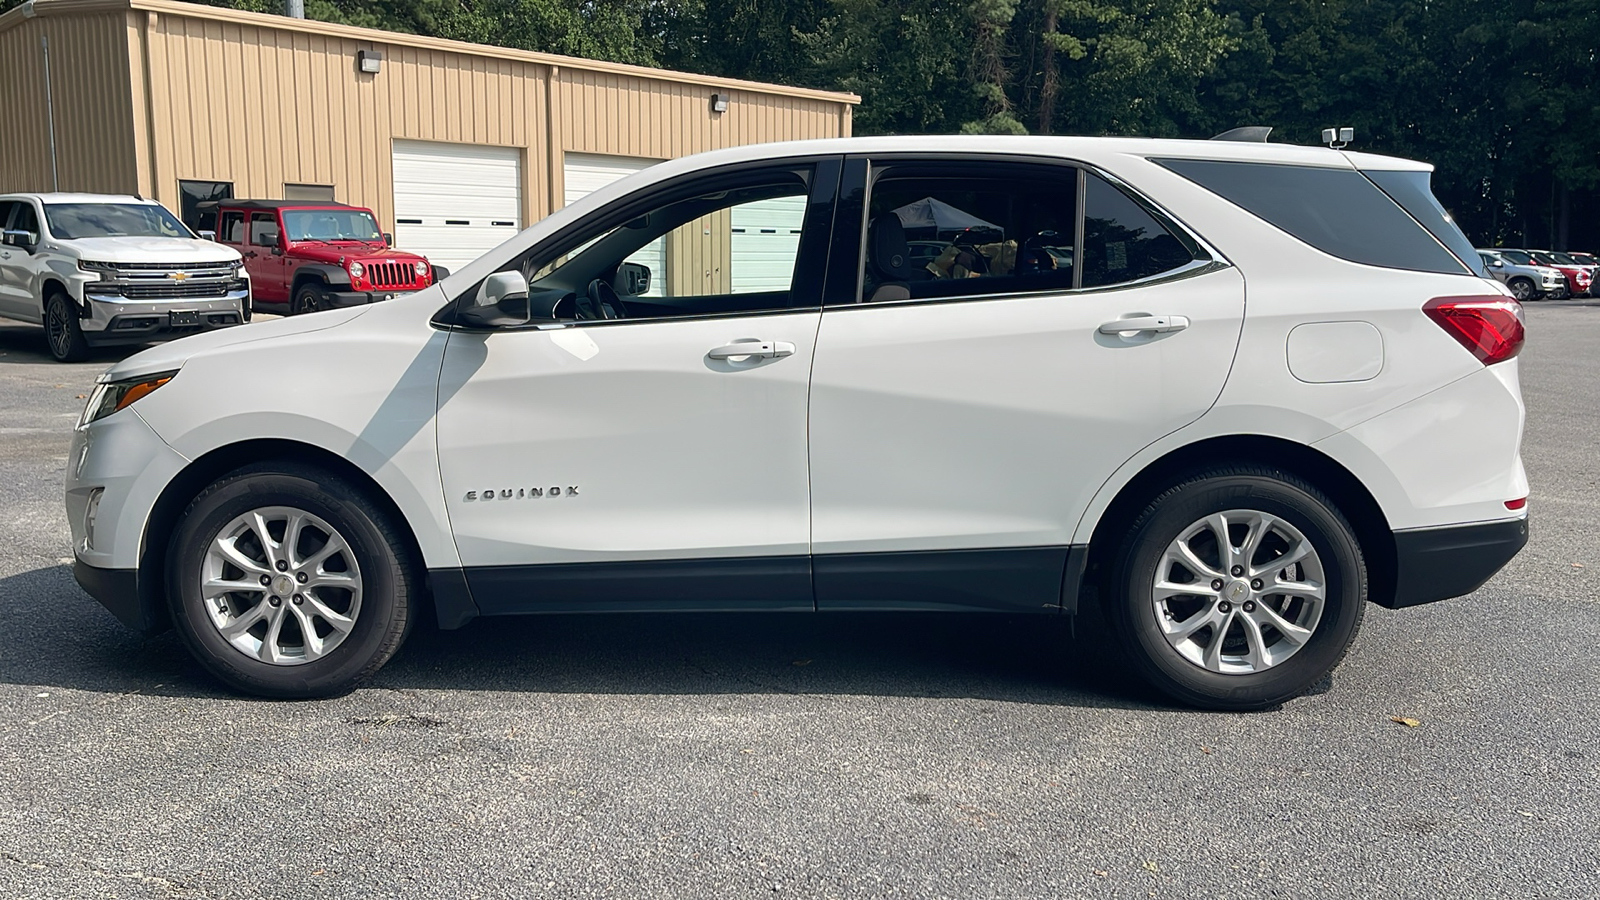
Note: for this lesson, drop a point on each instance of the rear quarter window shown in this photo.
(1337, 211)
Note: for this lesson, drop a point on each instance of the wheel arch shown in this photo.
(1354, 500)
(322, 273)
(50, 284)
(188, 483)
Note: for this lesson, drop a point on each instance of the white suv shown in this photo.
(101, 270)
(1230, 393)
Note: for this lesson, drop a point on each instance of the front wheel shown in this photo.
(62, 330)
(1237, 589)
(308, 299)
(284, 582)
(1522, 289)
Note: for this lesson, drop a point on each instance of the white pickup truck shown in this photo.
(98, 270)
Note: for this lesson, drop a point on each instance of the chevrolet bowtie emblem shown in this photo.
(178, 276)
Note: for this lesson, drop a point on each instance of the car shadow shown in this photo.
(54, 635)
(23, 343)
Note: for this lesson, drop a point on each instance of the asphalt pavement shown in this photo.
(914, 756)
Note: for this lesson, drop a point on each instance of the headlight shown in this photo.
(115, 396)
(106, 271)
(356, 269)
(421, 267)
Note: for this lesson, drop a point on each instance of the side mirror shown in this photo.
(502, 300)
(388, 239)
(208, 235)
(25, 240)
(1497, 264)
(267, 239)
(633, 279)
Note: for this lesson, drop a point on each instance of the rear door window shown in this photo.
(1337, 211)
(970, 231)
(1123, 241)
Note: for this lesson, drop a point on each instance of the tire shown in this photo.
(308, 299)
(1523, 289)
(356, 600)
(63, 333)
(1172, 636)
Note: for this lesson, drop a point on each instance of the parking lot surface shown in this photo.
(814, 756)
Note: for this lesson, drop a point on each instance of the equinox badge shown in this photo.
(552, 491)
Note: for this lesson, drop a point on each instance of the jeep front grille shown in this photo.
(391, 274)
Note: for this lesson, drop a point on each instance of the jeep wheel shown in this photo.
(62, 330)
(1239, 588)
(1522, 289)
(308, 299)
(285, 581)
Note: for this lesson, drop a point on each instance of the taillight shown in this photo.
(1517, 504)
(1489, 327)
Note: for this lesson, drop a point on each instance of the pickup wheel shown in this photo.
(287, 582)
(308, 298)
(61, 328)
(1239, 588)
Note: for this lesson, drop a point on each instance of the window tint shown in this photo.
(1412, 191)
(727, 250)
(1517, 256)
(5, 213)
(197, 202)
(960, 236)
(1122, 241)
(26, 219)
(1338, 211)
(232, 230)
(263, 229)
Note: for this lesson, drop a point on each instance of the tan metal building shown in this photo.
(457, 145)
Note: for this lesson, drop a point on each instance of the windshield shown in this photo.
(1517, 257)
(331, 225)
(1583, 258)
(1563, 259)
(75, 221)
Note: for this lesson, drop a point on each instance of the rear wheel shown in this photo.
(62, 330)
(285, 584)
(1522, 289)
(308, 299)
(1238, 588)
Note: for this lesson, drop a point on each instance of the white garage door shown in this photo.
(585, 173)
(766, 241)
(453, 202)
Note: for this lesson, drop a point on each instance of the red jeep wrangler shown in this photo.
(309, 255)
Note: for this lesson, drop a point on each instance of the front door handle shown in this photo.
(1157, 324)
(752, 348)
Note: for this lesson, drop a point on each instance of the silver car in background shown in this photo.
(1525, 279)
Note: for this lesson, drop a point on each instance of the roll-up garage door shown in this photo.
(453, 202)
(585, 173)
(766, 241)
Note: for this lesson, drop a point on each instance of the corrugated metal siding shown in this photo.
(90, 84)
(263, 107)
(166, 91)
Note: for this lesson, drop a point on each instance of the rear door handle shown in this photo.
(752, 348)
(1157, 324)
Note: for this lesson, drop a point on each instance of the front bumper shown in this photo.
(342, 299)
(1440, 563)
(109, 320)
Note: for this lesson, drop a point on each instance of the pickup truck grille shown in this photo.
(392, 275)
(145, 272)
(165, 290)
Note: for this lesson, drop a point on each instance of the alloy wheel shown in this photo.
(281, 586)
(1239, 592)
(58, 330)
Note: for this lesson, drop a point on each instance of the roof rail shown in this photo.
(1255, 134)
